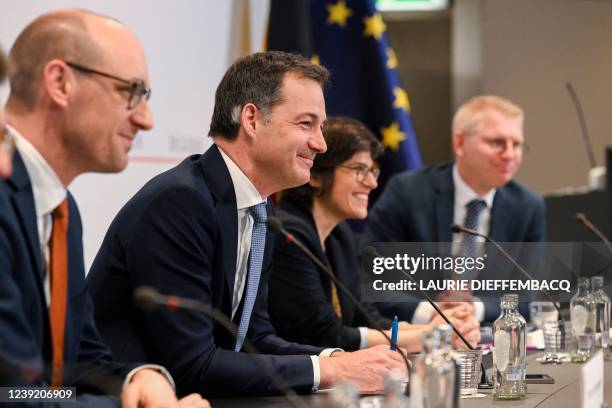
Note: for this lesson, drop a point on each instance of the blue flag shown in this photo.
(349, 38)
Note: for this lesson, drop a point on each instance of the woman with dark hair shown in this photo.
(304, 304)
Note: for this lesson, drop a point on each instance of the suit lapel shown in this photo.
(445, 202)
(23, 202)
(220, 184)
(501, 211)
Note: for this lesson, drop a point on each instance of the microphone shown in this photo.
(148, 298)
(371, 252)
(276, 225)
(583, 127)
(583, 219)
(460, 229)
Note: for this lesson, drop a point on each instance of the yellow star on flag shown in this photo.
(315, 59)
(338, 13)
(374, 26)
(401, 99)
(392, 136)
(391, 59)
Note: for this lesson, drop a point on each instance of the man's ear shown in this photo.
(458, 143)
(249, 115)
(57, 81)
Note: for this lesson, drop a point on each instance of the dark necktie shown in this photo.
(469, 246)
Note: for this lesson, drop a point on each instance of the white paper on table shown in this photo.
(592, 381)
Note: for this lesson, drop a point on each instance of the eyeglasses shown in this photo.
(362, 171)
(500, 145)
(136, 88)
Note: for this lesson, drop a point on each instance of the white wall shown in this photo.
(527, 50)
(187, 45)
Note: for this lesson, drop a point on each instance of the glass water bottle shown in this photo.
(509, 351)
(602, 315)
(582, 313)
(446, 346)
(432, 376)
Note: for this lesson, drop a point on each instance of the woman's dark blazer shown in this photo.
(299, 301)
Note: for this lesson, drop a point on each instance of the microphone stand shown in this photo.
(458, 229)
(149, 298)
(583, 219)
(484, 379)
(276, 225)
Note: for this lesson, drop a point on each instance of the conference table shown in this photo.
(564, 393)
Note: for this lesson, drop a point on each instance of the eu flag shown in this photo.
(349, 38)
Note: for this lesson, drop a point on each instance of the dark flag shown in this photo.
(349, 38)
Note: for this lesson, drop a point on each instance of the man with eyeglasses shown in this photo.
(476, 191)
(67, 115)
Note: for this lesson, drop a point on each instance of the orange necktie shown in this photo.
(336, 300)
(58, 269)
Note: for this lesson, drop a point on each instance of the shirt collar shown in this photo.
(246, 193)
(47, 188)
(464, 193)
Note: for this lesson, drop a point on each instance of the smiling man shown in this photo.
(476, 191)
(199, 231)
(67, 116)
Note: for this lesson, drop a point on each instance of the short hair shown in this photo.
(468, 116)
(3, 66)
(257, 79)
(344, 138)
(63, 35)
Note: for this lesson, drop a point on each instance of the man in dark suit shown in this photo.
(476, 191)
(198, 231)
(66, 119)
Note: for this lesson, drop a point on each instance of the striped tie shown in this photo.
(469, 246)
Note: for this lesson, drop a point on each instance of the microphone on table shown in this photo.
(584, 220)
(148, 298)
(276, 225)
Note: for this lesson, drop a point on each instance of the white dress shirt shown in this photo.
(247, 196)
(463, 195)
(49, 192)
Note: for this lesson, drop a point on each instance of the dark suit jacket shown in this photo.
(300, 294)
(179, 235)
(25, 346)
(418, 207)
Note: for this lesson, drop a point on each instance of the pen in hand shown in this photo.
(394, 328)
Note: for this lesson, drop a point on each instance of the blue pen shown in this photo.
(394, 333)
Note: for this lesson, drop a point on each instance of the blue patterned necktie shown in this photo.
(258, 244)
(469, 245)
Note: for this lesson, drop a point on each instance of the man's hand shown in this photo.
(470, 330)
(150, 389)
(450, 300)
(365, 368)
(466, 324)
